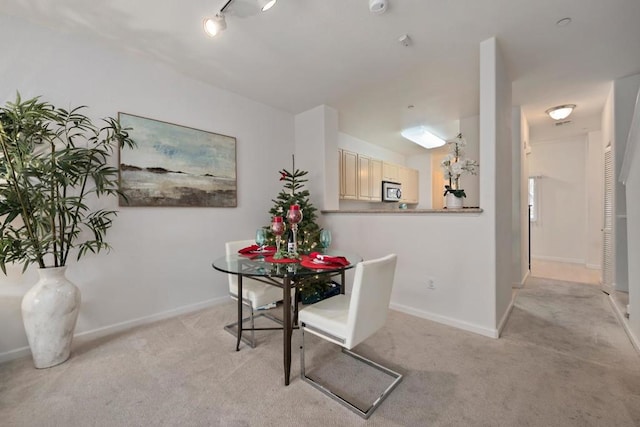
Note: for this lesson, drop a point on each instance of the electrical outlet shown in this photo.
(431, 283)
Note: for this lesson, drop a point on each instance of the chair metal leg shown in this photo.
(324, 389)
(231, 327)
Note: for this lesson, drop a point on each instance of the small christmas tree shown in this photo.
(308, 234)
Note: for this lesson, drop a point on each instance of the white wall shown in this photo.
(633, 234)
(316, 136)
(559, 234)
(161, 261)
(624, 98)
(457, 252)
(470, 129)
(357, 145)
(520, 201)
(495, 184)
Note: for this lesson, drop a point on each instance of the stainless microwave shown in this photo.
(391, 191)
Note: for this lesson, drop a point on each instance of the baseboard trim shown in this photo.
(522, 282)
(625, 324)
(487, 332)
(123, 326)
(506, 315)
(559, 259)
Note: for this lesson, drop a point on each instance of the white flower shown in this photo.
(456, 164)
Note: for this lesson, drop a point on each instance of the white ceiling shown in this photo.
(303, 53)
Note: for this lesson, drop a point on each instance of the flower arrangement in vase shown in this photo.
(454, 165)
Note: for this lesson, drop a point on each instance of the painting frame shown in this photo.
(176, 166)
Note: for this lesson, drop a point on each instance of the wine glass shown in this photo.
(325, 239)
(261, 238)
(277, 228)
(294, 216)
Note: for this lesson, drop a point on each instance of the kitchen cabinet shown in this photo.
(361, 178)
(390, 172)
(409, 179)
(349, 175)
(364, 177)
(340, 180)
(369, 178)
(375, 174)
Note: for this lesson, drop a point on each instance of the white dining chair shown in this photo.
(255, 294)
(348, 320)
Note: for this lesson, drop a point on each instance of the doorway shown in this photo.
(566, 189)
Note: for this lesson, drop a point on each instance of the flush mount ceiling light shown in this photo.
(421, 136)
(266, 4)
(560, 112)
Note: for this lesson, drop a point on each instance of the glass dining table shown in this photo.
(285, 275)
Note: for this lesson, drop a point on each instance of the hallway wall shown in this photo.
(559, 234)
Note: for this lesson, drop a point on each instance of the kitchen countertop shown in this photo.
(404, 211)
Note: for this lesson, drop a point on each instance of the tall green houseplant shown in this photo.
(53, 165)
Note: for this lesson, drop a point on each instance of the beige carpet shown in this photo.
(563, 360)
(565, 271)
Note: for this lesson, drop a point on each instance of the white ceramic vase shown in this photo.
(49, 313)
(453, 202)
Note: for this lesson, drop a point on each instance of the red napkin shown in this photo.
(327, 259)
(256, 249)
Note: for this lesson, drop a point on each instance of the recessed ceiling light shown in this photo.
(563, 22)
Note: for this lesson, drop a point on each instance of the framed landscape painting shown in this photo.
(175, 165)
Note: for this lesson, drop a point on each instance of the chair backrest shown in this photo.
(233, 248)
(370, 297)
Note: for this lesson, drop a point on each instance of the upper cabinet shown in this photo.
(361, 178)
(349, 175)
(409, 181)
(369, 178)
(375, 173)
(390, 172)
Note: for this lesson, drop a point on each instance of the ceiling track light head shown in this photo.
(214, 26)
(266, 4)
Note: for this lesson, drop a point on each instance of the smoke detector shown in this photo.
(377, 6)
(405, 40)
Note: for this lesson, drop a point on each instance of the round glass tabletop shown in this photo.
(260, 266)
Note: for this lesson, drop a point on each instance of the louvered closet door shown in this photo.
(608, 247)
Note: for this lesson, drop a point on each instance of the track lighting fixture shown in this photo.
(266, 4)
(217, 24)
(214, 26)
